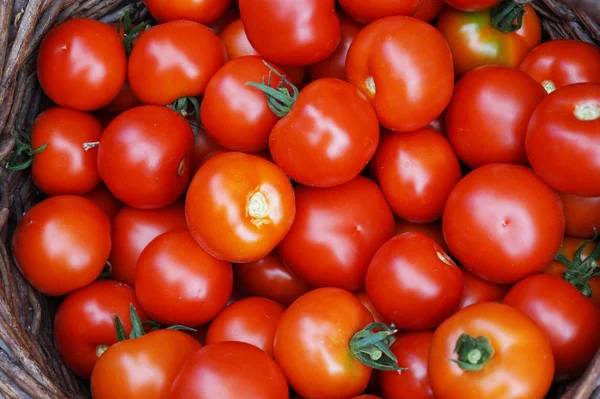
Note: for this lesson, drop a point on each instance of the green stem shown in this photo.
(181, 106)
(473, 353)
(22, 156)
(129, 32)
(279, 99)
(507, 16)
(579, 271)
(371, 346)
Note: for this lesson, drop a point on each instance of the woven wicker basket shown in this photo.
(29, 363)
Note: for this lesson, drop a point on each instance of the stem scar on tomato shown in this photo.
(473, 353)
(587, 111)
(579, 271)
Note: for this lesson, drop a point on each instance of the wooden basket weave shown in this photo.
(29, 363)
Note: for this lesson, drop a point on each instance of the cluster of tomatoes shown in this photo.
(248, 205)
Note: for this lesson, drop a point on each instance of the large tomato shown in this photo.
(81, 64)
(106, 201)
(479, 353)
(472, 5)
(291, 33)
(404, 66)
(64, 166)
(239, 207)
(562, 139)
(489, 133)
(366, 11)
(478, 290)
(144, 156)
(132, 231)
(62, 244)
(416, 171)
(582, 214)
(203, 11)
(230, 370)
(173, 60)
(336, 233)
(503, 223)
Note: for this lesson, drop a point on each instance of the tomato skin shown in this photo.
(512, 335)
(472, 5)
(475, 42)
(159, 175)
(478, 290)
(556, 306)
(270, 278)
(64, 167)
(328, 137)
(123, 101)
(394, 61)
(62, 244)
(429, 10)
(144, 367)
(166, 65)
(582, 214)
(84, 320)
(230, 370)
(67, 56)
(106, 201)
(273, 29)
(432, 230)
(558, 63)
(239, 207)
(366, 302)
(203, 11)
(342, 227)
(204, 147)
(561, 136)
(417, 192)
(132, 231)
(311, 344)
(503, 223)
(365, 11)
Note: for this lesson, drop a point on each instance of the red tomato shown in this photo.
(491, 340)
(144, 367)
(106, 201)
(230, 15)
(292, 33)
(203, 11)
(413, 282)
(173, 60)
(336, 233)
(177, 282)
(582, 214)
(64, 166)
(81, 64)
(364, 299)
(62, 244)
(562, 139)
(204, 147)
(270, 278)
(334, 66)
(250, 320)
(144, 156)
(432, 230)
(569, 319)
(503, 223)
(412, 351)
(84, 321)
(489, 133)
(230, 370)
(239, 207)
(429, 10)
(439, 124)
(404, 66)
(472, 5)
(329, 135)
(477, 290)
(417, 171)
(132, 231)
(366, 11)
(123, 101)
(558, 63)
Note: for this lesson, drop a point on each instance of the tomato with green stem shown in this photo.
(582, 215)
(203, 11)
(367, 11)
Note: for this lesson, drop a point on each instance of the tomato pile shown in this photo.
(277, 199)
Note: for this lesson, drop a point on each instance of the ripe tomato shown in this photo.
(416, 171)
(144, 156)
(231, 14)
(239, 207)
(81, 64)
(106, 201)
(230, 370)
(61, 244)
(432, 230)
(64, 166)
(364, 299)
(204, 147)
(291, 33)
(132, 231)
(328, 136)
(84, 321)
(367, 11)
(336, 233)
(413, 282)
(478, 290)
(503, 223)
(562, 138)
(177, 282)
(173, 60)
(472, 5)
(582, 214)
(412, 351)
(489, 133)
(429, 10)
(123, 101)
(404, 66)
(144, 367)
(569, 319)
(491, 341)
(270, 278)
(203, 11)
(475, 42)
(250, 320)
(558, 63)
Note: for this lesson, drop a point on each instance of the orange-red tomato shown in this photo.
(366, 11)
(203, 11)
(478, 290)
(582, 214)
(472, 5)
(123, 101)
(106, 201)
(429, 10)
(432, 230)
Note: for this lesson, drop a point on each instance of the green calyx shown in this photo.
(473, 353)
(22, 156)
(507, 16)
(181, 106)
(371, 346)
(579, 271)
(129, 32)
(279, 99)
